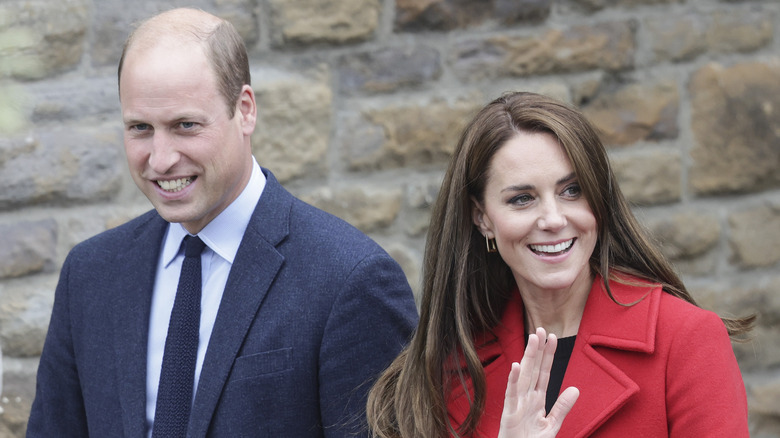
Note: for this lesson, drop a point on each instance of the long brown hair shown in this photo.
(465, 288)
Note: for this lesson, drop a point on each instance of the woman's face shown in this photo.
(533, 206)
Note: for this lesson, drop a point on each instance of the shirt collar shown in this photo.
(224, 233)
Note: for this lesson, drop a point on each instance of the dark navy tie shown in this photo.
(174, 395)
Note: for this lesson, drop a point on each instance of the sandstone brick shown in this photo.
(739, 30)
(600, 4)
(677, 38)
(649, 177)
(755, 235)
(636, 112)
(687, 234)
(427, 15)
(388, 69)
(736, 127)
(76, 100)
(766, 396)
(302, 22)
(43, 38)
(609, 46)
(25, 310)
(293, 126)
(28, 247)
(420, 197)
(61, 165)
(366, 209)
(398, 136)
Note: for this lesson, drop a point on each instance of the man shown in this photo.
(298, 311)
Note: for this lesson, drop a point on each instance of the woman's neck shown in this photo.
(558, 311)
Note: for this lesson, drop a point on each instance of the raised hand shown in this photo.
(524, 413)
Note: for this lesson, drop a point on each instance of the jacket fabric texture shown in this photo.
(661, 367)
(312, 312)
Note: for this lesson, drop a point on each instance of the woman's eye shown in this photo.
(572, 191)
(521, 199)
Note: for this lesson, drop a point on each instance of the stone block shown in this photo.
(18, 394)
(739, 30)
(74, 164)
(366, 209)
(636, 112)
(765, 396)
(43, 38)
(444, 15)
(409, 135)
(755, 235)
(687, 234)
(293, 126)
(14, 118)
(388, 69)
(649, 176)
(736, 126)
(601, 4)
(305, 22)
(25, 310)
(420, 197)
(677, 38)
(28, 247)
(77, 99)
(610, 46)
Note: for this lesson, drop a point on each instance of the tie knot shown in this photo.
(193, 246)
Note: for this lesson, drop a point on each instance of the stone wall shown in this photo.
(361, 102)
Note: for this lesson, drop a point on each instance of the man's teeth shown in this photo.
(174, 185)
(551, 249)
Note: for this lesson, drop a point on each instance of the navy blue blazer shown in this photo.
(312, 312)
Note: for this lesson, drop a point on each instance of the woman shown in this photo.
(531, 230)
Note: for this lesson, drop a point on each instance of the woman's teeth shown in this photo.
(552, 249)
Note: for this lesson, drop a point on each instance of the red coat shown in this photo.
(662, 367)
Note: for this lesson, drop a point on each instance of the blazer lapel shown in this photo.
(252, 274)
(605, 388)
(132, 286)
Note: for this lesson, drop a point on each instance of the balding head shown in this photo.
(219, 40)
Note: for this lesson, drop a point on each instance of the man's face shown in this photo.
(184, 152)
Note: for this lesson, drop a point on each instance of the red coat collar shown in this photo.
(604, 324)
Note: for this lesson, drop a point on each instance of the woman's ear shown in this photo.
(480, 219)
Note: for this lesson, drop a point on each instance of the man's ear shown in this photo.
(247, 109)
(480, 219)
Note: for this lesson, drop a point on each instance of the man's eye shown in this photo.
(140, 127)
(187, 125)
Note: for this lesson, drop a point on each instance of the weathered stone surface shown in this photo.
(25, 310)
(388, 69)
(366, 209)
(636, 112)
(112, 22)
(18, 394)
(59, 165)
(736, 127)
(427, 15)
(649, 177)
(293, 125)
(301, 22)
(13, 114)
(755, 236)
(600, 4)
(28, 247)
(677, 38)
(40, 38)
(80, 98)
(398, 136)
(766, 397)
(740, 30)
(420, 197)
(608, 46)
(687, 234)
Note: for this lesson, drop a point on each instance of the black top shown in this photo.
(560, 362)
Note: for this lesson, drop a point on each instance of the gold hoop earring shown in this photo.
(491, 244)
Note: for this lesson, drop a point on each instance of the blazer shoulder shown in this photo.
(111, 240)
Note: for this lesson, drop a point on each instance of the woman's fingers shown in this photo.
(563, 406)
